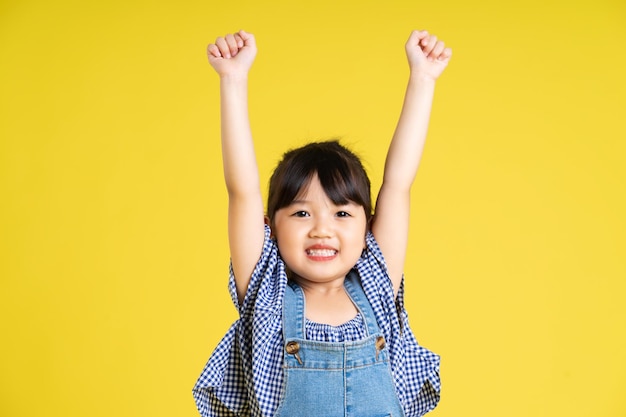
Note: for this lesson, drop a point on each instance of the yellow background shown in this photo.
(113, 210)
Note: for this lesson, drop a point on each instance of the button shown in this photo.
(380, 343)
(292, 348)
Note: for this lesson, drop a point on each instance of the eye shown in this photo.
(300, 213)
(343, 214)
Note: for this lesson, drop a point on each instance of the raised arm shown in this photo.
(232, 56)
(427, 58)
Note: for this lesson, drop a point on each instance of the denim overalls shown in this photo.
(350, 379)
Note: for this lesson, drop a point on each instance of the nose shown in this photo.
(321, 228)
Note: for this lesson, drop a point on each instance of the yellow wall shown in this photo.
(112, 212)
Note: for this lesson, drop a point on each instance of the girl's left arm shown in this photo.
(427, 57)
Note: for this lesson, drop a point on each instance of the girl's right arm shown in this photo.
(232, 56)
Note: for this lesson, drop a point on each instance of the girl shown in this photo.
(322, 330)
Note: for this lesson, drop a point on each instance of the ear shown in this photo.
(268, 222)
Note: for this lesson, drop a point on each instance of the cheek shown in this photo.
(285, 234)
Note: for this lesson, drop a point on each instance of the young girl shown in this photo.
(318, 282)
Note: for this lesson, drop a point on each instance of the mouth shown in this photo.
(321, 254)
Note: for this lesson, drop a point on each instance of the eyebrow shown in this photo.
(299, 202)
(349, 203)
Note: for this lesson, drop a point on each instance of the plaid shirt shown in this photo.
(244, 375)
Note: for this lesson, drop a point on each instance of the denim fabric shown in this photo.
(349, 379)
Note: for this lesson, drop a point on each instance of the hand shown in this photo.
(233, 54)
(427, 55)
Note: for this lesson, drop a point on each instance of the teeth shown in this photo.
(321, 252)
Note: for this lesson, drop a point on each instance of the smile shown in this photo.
(321, 253)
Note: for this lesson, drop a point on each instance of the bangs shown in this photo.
(339, 184)
(339, 171)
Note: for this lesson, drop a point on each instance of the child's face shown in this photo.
(319, 241)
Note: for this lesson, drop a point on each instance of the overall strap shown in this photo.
(293, 313)
(356, 293)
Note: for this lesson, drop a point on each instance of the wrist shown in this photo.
(233, 78)
(421, 84)
(421, 77)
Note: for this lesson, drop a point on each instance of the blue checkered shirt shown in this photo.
(244, 375)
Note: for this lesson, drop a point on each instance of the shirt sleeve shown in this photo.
(264, 283)
(415, 369)
(259, 332)
(223, 388)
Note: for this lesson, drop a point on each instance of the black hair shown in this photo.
(339, 170)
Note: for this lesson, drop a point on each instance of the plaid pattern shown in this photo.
(350, 331)
(244, 376)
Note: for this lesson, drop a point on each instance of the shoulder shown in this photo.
(374, 250)
(267, 282)
(372, 266)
